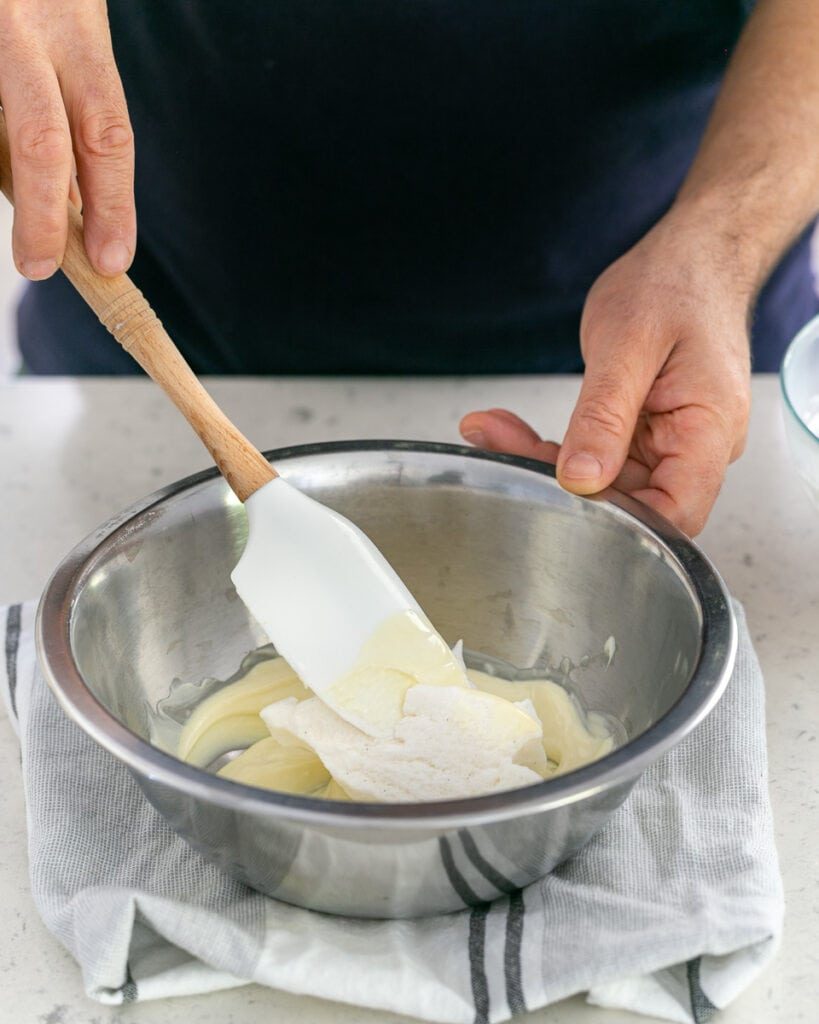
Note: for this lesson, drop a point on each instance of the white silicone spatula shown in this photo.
(315, 583)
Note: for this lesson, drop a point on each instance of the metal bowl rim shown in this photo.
(621, 767)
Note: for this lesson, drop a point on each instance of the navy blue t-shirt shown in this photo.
(400, 186)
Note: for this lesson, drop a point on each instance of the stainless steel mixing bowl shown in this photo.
(499, 555)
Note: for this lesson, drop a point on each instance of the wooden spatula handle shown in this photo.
(124, 311)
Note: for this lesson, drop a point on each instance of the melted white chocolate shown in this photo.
(425, 731)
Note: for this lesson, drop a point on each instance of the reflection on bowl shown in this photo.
(800, 396)
(499, 556)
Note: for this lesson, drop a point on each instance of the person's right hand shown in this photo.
(65, 111)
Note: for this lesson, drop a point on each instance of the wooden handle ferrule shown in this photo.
(129, 316)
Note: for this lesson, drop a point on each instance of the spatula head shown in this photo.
(315, 583)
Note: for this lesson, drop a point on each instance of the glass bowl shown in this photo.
(799, 378)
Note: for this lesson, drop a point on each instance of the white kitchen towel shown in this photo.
(671, 910)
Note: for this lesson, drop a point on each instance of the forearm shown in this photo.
(754, 184)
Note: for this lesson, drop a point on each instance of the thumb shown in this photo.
(596, 445)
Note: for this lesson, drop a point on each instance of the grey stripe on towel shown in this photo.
(512, 968)
(702, 1009)
(13, 618)
(477, 963)
(512, 965)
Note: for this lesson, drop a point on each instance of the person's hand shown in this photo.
(66, 114)
(666, 392)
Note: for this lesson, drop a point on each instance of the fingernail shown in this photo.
(582, 466)
(114, 257)
(39, 270)
(476, 437)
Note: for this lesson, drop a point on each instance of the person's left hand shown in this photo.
(666, 392)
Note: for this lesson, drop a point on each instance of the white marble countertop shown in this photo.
(74, 452)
